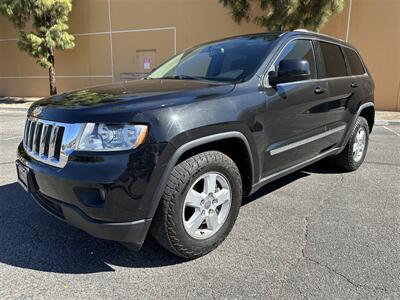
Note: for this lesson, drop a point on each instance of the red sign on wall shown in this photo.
(146, 64)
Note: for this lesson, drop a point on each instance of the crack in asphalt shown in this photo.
(288, 281)
(313, 213)
(349, 280)
(305, 239)
(332, 270)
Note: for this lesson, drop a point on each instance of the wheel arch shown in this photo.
(236, 149)
(220, 142)
(366, 110)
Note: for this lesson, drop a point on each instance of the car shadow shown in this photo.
(325, 166)
(32, 239)
(273, 186)
(7, 100)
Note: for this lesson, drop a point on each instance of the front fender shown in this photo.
(175, 149)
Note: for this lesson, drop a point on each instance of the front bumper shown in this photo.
(133, 232)
(107, 195)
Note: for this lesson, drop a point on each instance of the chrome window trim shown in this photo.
(307, 140)
(322, 79)
(264, 76)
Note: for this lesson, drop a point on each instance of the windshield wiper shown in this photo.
(188, 77)
(183, 77)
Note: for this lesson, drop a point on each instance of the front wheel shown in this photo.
(353, 154)
(199, 206)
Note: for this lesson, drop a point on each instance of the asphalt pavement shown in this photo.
(315, 234)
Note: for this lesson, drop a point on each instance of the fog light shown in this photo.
(90, 197)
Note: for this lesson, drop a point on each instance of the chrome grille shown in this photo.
(50, 142)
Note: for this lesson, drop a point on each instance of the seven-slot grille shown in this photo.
(43, 140)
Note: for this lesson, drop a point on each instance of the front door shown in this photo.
(295, 120)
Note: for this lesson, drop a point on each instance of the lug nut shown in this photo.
(210, 211)
(215, 202)
(202, 202)
(203, 213)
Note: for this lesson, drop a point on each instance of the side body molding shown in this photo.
(190, 145)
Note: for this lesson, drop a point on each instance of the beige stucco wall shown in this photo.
(100, 57)
(168, 26)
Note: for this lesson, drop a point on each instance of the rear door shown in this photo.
(359, 80)
(333, 70)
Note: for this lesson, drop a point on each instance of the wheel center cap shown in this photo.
(207, 204)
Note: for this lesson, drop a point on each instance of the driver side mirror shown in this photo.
(290, 70)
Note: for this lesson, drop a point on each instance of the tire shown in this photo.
(348, 160)
(172, 225)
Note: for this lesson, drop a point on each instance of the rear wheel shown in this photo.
(353, 154)
(199, 206)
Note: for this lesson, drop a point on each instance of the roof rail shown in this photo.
(302, 30)
(321, 34)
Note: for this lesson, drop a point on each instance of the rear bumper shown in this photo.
(133, 232)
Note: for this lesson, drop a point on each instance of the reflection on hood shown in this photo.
(79, 98)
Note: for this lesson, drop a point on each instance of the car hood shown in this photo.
(121, 101)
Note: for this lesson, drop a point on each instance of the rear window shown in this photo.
(333, 60)
(354, 61)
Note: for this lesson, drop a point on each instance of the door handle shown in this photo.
(319, 90)
(354, 85)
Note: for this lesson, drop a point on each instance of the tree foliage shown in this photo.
(285, 14)
(42, 28)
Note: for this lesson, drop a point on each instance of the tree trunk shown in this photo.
(52, 77)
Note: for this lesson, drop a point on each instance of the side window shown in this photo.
(354, 61)
(299, 49)
(333, 60)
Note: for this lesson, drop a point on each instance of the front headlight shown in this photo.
(111, 137)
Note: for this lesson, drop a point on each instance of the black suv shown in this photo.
(175, 152)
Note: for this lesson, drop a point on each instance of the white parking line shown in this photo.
(391, 130)
(13, 111)
(12, 138)
(381, 122)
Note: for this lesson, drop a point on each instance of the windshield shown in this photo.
(231, 60)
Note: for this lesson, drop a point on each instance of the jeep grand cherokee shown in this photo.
(175, 153)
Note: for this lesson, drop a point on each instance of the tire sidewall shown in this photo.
(361, 122)
(177, 210)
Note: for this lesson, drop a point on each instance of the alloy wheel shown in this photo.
(359, 144)
(207, 205)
